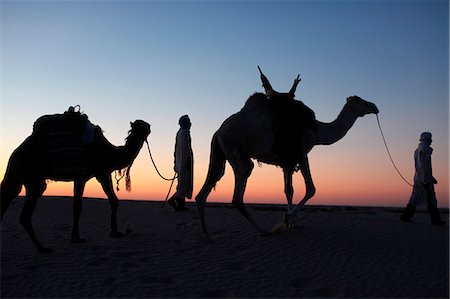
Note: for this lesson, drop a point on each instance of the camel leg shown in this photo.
(288, 221)
(33, 192)
(77, 208)
(107, 186)
(310, 189)
(242, 170)
(8, 191)
(288, 188)
(215, 173)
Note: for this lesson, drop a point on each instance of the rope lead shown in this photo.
(159, 173)
(389, 154)
(164, 178)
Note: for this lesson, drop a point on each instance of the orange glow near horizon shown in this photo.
(335, 184)
(341, 176)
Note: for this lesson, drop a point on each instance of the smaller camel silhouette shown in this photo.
(32, 163)
(253, 133)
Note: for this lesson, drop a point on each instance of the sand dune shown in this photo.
(345, 252)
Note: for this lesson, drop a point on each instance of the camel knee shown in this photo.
(311, 192)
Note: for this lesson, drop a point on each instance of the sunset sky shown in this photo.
(157, 60)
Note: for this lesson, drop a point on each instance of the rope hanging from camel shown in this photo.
(164, 178)
(389, 153)
(154, 164)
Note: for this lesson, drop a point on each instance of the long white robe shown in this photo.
(423, 175)
(184, 163)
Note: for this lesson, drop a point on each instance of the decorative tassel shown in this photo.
(128, 180)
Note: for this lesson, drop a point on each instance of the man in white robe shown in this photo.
(423, 190)
(183, 165)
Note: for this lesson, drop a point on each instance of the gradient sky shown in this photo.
(157, 60)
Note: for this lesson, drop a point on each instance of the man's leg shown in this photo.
(410, 209)
(432, 205)
(408, 213)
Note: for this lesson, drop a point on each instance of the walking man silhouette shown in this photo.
(423, 183)
(183, 165)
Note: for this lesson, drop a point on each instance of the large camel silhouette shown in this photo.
(31, 164)
(249, 134)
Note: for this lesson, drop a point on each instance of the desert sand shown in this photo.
(338, 252)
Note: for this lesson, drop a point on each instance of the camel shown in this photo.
(30, 165)
(249, 134)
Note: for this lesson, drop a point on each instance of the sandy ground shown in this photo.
(346, 252)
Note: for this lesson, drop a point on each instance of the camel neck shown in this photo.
(329, 133)
(130, 150)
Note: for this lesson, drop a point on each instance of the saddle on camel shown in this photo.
(288, 114)
(67, 137)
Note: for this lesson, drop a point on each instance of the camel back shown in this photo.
(66, 137)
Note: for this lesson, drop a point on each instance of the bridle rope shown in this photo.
(389, 153)
(159, 173)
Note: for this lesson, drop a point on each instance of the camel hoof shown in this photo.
(279, 228)
(117, 234)
(285, 225)
(45, 250)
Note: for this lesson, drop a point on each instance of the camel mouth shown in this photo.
(375, 109)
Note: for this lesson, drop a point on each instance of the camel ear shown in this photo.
(131, 124)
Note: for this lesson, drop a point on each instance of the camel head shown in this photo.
(361, 107)
(274, 95)
(140, 129)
